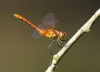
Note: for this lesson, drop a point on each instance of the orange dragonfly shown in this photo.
(46, 29)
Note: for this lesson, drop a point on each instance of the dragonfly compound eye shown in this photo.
(62, 35)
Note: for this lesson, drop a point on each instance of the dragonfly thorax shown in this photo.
(51, 33)
(62, 35)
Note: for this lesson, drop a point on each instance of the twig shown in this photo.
(85, 28)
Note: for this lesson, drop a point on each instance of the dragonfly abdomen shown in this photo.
(29, 23)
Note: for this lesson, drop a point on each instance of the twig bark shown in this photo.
(85, 28)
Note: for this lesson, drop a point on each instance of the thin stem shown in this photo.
(85, 28)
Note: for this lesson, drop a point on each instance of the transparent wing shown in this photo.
(48, 21)
(36, 33)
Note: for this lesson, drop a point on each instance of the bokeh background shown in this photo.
(19, 52)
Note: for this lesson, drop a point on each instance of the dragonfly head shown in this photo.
(62, 35)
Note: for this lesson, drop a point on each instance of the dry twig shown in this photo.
(85, 28)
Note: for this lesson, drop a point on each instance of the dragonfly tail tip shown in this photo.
(16, 15)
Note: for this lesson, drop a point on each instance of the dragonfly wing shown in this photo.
(54, 22)
(36, 33)
(48, 21)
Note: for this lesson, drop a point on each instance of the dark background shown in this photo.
(19, 52)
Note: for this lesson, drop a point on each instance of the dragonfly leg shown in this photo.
(51, 46)
(59, 42)
(65, 40)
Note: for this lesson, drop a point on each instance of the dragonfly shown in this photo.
(46, 29)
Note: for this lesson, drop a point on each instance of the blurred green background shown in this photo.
(19, 52)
